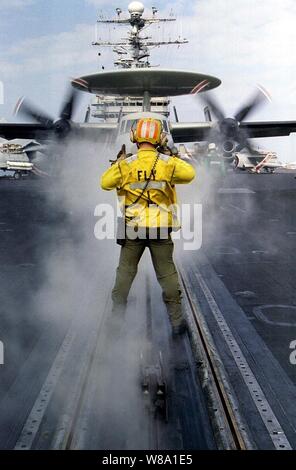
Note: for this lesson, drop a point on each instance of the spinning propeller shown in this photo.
(228, 134)
(60, 127)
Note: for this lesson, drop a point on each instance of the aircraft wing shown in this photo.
(39, 132)
(181, 131)
(199, 131)
(190, 131)
(269, 128)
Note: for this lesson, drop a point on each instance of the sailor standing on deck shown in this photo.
(145, 184)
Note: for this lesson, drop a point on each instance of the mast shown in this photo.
(133, 50)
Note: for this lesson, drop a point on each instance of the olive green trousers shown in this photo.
(162, 258)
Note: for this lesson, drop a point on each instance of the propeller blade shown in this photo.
(249, 147)
(69, 105)
(213, 105)
(260, 96)
(30, 111)
(244, 143)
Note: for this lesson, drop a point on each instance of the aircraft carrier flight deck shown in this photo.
(69, 382)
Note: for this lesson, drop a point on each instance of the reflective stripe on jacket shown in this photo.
(156, 206)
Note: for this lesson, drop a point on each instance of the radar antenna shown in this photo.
(134, 50)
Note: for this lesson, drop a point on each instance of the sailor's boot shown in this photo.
(116, 320)
(177, 319)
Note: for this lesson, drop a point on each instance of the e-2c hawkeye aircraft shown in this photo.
(136, 78)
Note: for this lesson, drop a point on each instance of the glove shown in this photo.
(121, 154)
